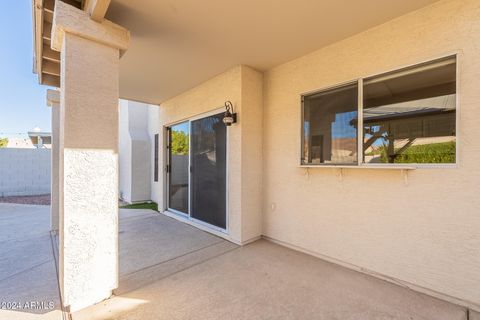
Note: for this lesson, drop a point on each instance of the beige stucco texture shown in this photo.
(424, 230)
(53, 101)
(243, 87)
(89, 171)
(88, 147)
(417, 227)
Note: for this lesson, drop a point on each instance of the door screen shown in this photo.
(208, 170)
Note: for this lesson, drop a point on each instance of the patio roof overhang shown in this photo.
(178, 45)
(46, 62)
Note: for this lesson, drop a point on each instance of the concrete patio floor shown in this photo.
(170, 270)
(27, 265)
(152, 246)
(265, 281)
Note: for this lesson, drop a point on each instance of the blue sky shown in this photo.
(22, 100)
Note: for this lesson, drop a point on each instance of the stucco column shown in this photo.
(53, 101)
(90, 53)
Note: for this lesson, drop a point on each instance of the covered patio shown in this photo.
(175, 271)
(241, 173)
(151, 247)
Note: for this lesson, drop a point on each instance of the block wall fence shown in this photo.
(24, 172)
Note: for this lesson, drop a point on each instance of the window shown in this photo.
(155, 168)
(329, 126)
(409, 117)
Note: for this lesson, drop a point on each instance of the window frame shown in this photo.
(359, 81)
(302, 137)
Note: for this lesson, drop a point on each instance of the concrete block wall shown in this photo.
(24, 171)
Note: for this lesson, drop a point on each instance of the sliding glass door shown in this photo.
(208, 177)
(197, 170)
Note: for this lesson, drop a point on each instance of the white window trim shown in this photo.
(387, 166)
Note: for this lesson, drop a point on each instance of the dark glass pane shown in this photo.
(330, 126)
(155, 166)
(208, 159)
(409, 115)
(178, 171)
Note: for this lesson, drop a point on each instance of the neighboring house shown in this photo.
(36, 138)
(20, 143)
(40, 139)
(349, 144)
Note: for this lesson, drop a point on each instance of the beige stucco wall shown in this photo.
(425, 232)
(88, 242)
(55, 156)
(243, 87)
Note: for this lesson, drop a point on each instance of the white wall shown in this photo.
(425, 233)
(24, 171)
(124, 152)
(134, 152)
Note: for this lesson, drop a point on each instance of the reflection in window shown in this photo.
(329, 126)
(179, 136)
(409, 115)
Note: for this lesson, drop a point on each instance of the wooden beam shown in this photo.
(76, 3)
(49, 54)
(47, 16)
(374, 138)
(52, 68)
(47, 30)
(51, 80)
(38, 31)
(408, 144)
(96, 9)
(49, 5)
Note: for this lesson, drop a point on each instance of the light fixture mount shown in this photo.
(230, 116)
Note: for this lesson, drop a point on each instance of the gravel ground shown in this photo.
(43, 199)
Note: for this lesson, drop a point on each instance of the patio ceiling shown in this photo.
(177, 45)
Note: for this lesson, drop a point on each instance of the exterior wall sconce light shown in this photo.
(230, 116)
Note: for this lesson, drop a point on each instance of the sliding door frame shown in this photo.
(188, 217)
(169, 166)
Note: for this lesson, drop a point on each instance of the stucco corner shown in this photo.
(73, 20)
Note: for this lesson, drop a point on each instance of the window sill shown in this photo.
(381, 167)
